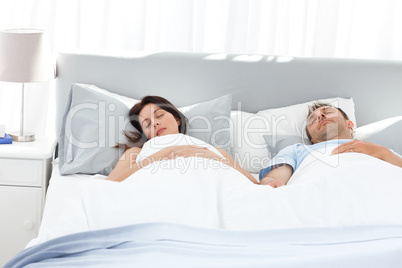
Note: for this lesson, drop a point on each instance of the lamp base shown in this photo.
(26, 136)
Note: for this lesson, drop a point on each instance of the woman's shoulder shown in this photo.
(133, 150)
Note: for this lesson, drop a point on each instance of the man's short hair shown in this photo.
(317, 105)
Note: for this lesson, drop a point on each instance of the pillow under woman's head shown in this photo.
(94, 121)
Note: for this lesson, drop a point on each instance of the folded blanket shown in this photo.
(172, 245)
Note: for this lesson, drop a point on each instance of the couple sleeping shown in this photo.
(161, 136)
(175, 178)
(162, 182)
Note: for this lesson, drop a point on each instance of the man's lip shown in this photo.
(323, 121)
(160, 131)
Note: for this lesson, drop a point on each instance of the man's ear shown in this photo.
(350, 124)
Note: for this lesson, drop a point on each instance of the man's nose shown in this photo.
(321, 116)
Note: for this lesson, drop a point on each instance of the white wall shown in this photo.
(331, 28)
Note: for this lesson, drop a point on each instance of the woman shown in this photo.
(155, 117)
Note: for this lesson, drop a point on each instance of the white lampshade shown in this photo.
(25, 56)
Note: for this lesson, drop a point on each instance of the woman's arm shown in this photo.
(128, 164)
(198, 151)
(372, 149)
(230, 162)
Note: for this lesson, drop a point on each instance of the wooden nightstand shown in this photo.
(25, 169)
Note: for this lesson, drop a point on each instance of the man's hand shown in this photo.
(278, 176)
(271, 182)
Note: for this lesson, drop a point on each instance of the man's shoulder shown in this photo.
(297, 147)
(334, 141)
(293, 148)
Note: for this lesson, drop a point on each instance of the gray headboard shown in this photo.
(256, 81)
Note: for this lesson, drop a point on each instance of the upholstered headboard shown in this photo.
(256, 81)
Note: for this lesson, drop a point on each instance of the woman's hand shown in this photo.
(363, 147)
(372, 149)
(275, 183)
(190, 151)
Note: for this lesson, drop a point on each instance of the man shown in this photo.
(326, 126)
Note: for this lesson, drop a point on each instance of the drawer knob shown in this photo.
(28, 225)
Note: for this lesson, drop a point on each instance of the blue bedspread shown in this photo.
(172, 245)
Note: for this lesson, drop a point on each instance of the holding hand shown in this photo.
(275, 183)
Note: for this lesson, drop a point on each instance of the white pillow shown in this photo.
(249, 147)
(209, 121)
(291, 120)
(92, 125)
(386, 132)
(95, 118)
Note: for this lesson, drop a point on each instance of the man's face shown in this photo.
(327, 123)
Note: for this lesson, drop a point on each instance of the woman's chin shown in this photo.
(164, 133)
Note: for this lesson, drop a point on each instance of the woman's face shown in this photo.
(155, 121)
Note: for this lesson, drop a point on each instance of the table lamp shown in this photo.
(25, 57)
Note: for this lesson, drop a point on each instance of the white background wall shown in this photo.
(368, 29)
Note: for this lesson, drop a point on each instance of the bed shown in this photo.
(349, 215)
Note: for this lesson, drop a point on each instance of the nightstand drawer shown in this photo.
(21, 172)
(20, 210)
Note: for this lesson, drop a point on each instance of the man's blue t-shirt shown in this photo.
(294, 155)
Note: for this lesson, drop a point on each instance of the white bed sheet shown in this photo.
(340, 190)
(61, 188)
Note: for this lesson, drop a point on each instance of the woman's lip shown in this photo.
(160, 131)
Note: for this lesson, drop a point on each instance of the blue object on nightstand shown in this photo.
(6, 140)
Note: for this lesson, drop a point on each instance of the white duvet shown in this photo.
(346, 189)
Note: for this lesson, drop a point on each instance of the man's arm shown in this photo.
(278, 176)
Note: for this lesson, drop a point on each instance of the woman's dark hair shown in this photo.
(138, 138)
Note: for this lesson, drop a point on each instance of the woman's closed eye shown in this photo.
(146, 123)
